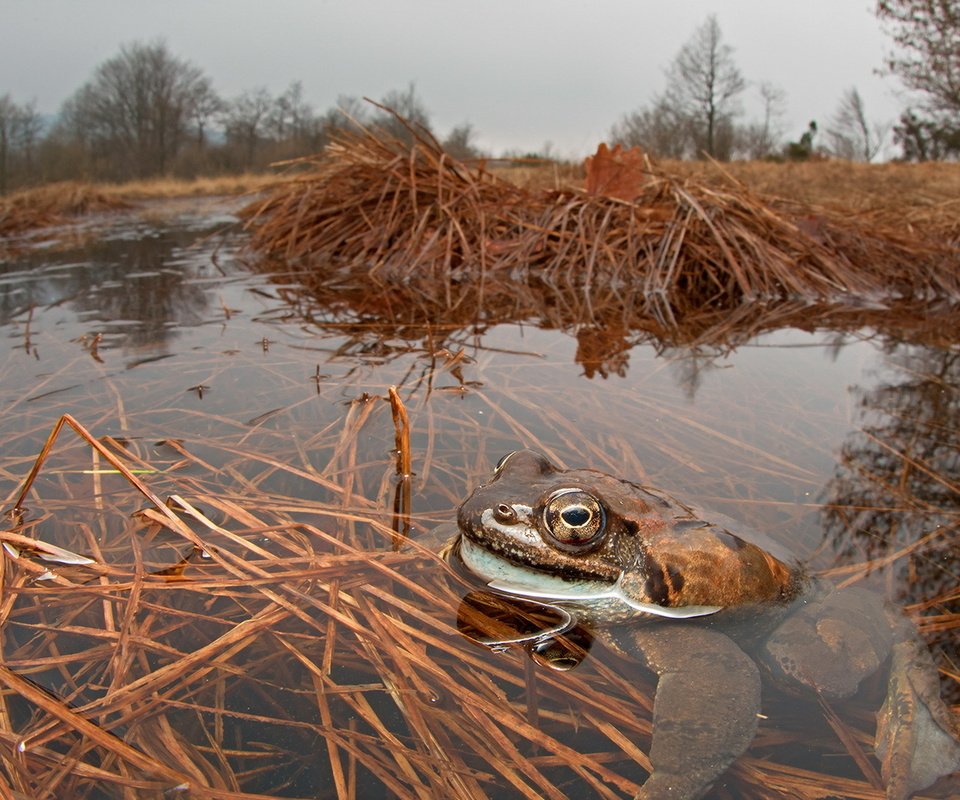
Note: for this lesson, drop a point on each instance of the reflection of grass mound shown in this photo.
(375, 207)
(53, 204)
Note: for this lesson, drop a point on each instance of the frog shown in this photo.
(710, 611)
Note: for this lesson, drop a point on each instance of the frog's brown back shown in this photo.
(690, 561)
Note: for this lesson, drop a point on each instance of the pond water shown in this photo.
(264, 406)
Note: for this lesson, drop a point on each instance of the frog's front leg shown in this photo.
(705, 711)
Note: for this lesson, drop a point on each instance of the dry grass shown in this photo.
(174, 648)
(918, 199)
(376, 210)
(52, 204)
(539, 176)
(159, 188)
(924, 196)
(59, 203)
(841, 184)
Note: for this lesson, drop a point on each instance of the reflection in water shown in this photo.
(607, 324)
(895, 493)
(603, 351)
(135, 290)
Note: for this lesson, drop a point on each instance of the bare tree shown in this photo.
(460, 141)
(927, 35)
(349, 112)
(20, 128)
(850, 135)
(291, 117)
(763, 138)
(136, 108)
(408, 105)
(205, 104)
(926, 140)
(245, 119)
(657, 128)
(8, 123)
(703, 86)
(696, 113)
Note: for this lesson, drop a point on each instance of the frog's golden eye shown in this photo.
(574, 519)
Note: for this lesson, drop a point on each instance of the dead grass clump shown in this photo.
(378, 209)
(52, 204)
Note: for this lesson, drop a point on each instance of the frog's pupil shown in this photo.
(576, 516)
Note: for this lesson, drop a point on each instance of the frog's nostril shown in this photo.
(505, 514)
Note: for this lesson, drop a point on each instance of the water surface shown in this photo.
(233, 383)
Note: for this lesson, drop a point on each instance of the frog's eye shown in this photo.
(574, 519)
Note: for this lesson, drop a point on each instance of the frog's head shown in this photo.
(606, 547)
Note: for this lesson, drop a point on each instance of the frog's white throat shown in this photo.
(502, 575)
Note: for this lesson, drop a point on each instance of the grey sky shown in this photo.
(523, 72)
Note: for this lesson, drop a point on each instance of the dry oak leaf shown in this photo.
(616, 173)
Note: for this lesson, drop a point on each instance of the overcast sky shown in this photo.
(523, 72)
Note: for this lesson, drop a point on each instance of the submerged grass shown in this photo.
(165, 636)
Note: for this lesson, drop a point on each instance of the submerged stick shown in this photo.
(401, 424)
(401, 500)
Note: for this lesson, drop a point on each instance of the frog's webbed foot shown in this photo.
(916, 734)
(705, 712)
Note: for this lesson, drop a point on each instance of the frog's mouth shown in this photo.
(503, 575)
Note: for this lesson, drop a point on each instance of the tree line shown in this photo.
(699, 112)
(146, 112)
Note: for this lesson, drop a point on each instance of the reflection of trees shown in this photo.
(97, 284)
(896, 485)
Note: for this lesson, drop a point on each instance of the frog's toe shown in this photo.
(917, 737)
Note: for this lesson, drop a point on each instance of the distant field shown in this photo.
(176, 187)
(923, 195)
(55, 203)
(856, 186)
